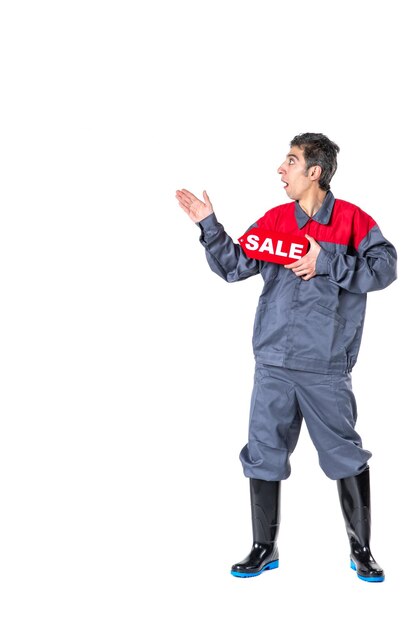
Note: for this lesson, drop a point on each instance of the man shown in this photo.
(307, 333)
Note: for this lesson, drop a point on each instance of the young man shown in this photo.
(307, 333)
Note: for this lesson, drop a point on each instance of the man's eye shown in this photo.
(290, 161)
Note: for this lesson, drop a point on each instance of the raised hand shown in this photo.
(196, 209)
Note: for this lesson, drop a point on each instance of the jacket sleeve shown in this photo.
(225, 258)
(372, 267)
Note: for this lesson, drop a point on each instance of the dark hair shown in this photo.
(318, 150)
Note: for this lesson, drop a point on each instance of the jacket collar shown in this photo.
(322, 216)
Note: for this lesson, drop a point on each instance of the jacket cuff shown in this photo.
(209, 227)
(323, 262)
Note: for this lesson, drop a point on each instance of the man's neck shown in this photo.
(312, 202)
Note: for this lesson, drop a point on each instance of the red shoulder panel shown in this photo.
(348, 224)
(361, 226)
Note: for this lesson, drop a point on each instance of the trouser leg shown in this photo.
(274, 425)
(265, 497)
(329, 409)
(328, 406)
(274, 428)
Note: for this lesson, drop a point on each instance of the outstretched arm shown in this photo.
(226, 258)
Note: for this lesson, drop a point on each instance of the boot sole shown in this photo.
(368, 579)
(271, 565)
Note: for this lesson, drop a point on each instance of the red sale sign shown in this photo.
(269, 245)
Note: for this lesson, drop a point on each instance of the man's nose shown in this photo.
(281, 169)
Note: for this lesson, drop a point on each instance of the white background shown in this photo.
(126, 364)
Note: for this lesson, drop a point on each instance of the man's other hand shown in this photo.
(305, 268)
(196, 209)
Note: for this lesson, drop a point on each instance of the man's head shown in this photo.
(312, 157)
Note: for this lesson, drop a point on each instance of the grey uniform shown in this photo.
(307, 334)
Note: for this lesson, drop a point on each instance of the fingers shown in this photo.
(308, 276)
(302, 272)
(184, 206)
(195, 208)
(293, 265)
(186, 196)
(182, 202)
(190, 201)
(302, 269)
(207, 199)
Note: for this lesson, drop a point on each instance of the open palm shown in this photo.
(196, 209)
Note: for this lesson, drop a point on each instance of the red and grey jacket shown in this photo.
(314, 325)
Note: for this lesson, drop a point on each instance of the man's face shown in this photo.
(293, 174)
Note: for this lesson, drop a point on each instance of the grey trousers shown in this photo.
(281, 398)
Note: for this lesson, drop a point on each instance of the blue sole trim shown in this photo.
(368, 579)
(271, 565)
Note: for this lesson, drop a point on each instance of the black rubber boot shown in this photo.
(355, 499)
(265, 507)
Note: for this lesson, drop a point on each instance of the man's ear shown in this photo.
(314, 172)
